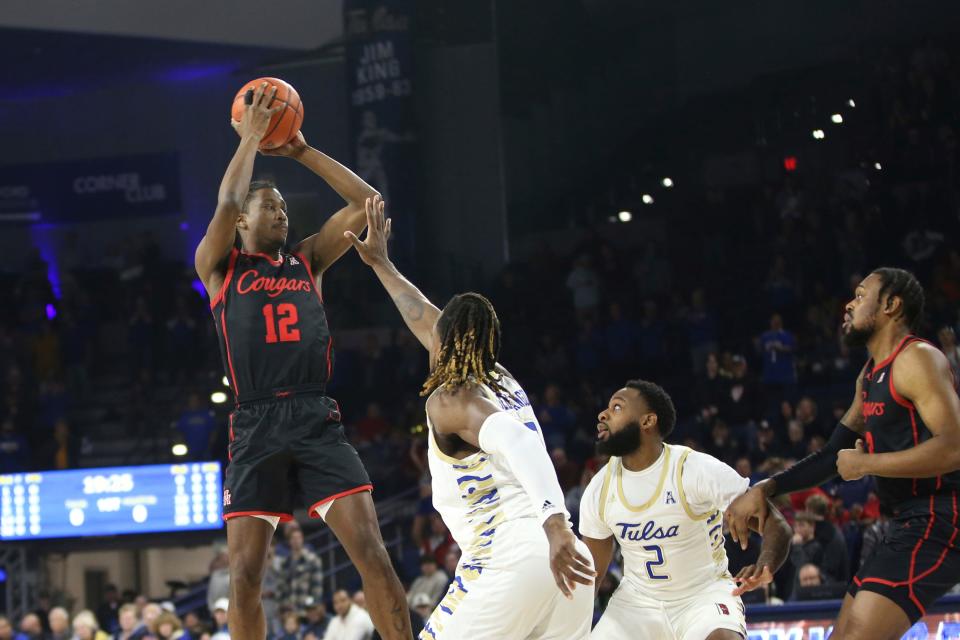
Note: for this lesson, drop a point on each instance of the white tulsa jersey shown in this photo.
(667, 519)
(477, 494)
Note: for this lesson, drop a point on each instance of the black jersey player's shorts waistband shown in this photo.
(281, 393)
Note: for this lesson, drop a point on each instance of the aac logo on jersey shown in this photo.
(670, 499)
(293, 261)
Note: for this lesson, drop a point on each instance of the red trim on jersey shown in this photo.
(893, 355)
(230, 441)
(226, 281)
(857, 581)
(900, 400)
(284, 517)
(329, 362)
(316, 287)
(273, 261)
(226, 344)
(869, 436)
(312, 511)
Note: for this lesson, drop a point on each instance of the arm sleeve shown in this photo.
(591, 525)
(709, 483)
(817, 467)
(524, 452)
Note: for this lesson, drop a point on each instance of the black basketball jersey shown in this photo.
(893, 424)
(273, 330)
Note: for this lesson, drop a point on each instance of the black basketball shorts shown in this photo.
(919, 561)
(284, 447)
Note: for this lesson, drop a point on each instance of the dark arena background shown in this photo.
(642, 189)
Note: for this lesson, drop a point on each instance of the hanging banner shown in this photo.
(379, 61)
(84, 190)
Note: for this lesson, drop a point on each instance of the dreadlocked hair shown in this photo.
(904, 285)
(469, 345)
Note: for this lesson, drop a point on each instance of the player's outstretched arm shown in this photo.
(222, 230)
(481, 423)
(812, 471)
(922, 376)
(418, 312)
(773, 552)
(326, 246)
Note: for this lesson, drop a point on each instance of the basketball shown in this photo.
(284, 124)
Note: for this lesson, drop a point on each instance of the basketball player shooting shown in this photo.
(904, 428)
(493, 481)
(662, 504)
(285, 433)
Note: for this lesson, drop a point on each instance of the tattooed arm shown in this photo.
(417, 311)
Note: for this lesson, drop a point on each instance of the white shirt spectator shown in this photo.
(356, 625)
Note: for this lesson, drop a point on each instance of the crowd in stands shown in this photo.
(737, 320)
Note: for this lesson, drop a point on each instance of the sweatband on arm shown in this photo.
(524, 452)
(817, 467)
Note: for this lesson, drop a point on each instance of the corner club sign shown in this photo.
(128, 186)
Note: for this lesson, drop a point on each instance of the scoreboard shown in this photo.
(111, 501)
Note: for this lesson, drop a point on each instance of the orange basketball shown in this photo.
(284, 124)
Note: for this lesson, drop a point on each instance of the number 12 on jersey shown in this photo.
(281, 321)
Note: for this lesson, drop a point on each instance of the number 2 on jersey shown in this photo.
(286, 318)
(650, 564)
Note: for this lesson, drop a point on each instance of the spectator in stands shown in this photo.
(621, 335)
(437, 541)
(130, 627)
(701, 330)
(193, 627)
(14, 450)
(218, 586)
(451, 561)
(836, 562)
(360, 599)
(950, 348)
(710, 389)
(651, 337)
(568, 472)
(584, 286)
(198, 426)
(777, 345)
(812, 586)
(6, 629)
(351, 621)
(742, 402)
(796, 447)
(221, 631)
(169, 626)
(151, 611)
(181, 340)
(59, 621)
(572, 497)
(85, 627)
(555, 417)
(30, 628)
(372, 426)
(300, 575)
(808, 413)
(291, 627)
(60, 451)
(107, 612)
(421, 606)
(317, 621)
(432, 581)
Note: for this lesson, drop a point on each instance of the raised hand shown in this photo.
(257, 112)
(373, 248)
(292, 149)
